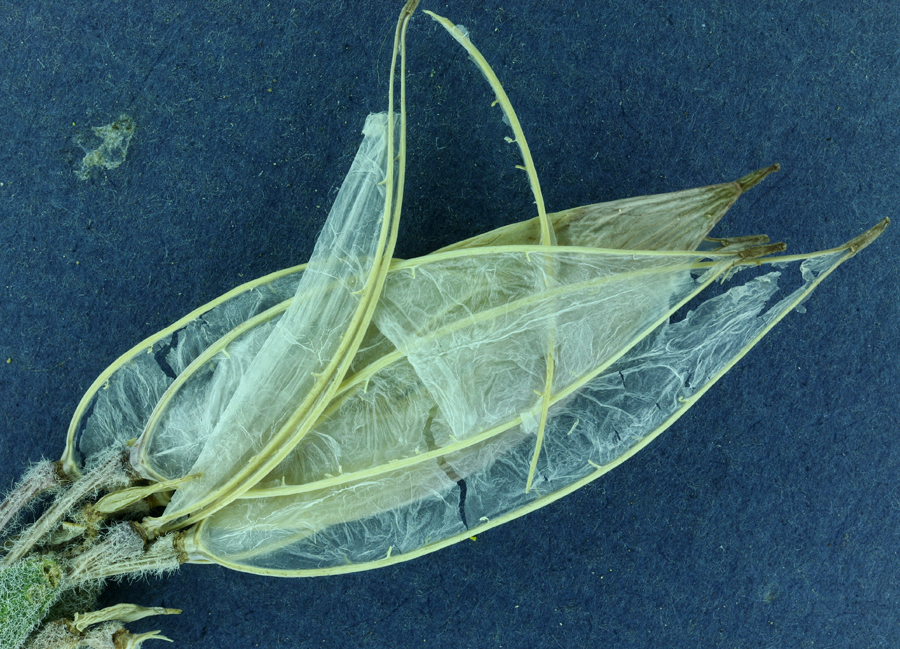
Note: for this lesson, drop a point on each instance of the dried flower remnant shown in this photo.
(110, 153)
(361, 410)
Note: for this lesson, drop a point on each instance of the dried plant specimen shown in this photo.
(361, 410)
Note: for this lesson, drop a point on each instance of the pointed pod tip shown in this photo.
(754, 177)
(858, 243)
(409, 8)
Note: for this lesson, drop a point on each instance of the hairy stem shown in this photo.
(110, 474)
(42, 477)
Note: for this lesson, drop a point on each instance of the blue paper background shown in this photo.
(768, 516)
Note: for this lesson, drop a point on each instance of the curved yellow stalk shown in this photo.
(327, 384)
(548, 236)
